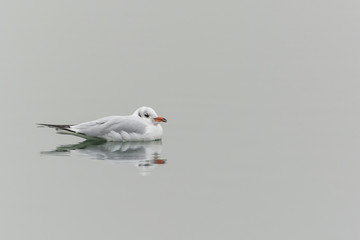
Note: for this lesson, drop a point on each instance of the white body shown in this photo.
(142, 125)
(120, 128)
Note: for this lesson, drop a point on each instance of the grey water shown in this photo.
(262, 102)
(143, 155)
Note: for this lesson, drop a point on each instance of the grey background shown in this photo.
(261, 99)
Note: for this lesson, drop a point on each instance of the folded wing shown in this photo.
(114, 124)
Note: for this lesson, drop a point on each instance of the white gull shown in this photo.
(142, 125)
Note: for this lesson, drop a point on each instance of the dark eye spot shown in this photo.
(139, 114)
(146, 115)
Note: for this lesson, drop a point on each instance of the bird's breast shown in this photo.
(154, 132)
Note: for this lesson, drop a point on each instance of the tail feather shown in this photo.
(66, 129)
(56, 126)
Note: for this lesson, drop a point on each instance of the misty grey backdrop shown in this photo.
(261, 97)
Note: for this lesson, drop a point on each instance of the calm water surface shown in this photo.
(144, 155)
(262, 139)
(223, 176)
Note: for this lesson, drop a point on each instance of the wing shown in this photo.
(118, 124)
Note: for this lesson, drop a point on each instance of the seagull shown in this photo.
(142, 125)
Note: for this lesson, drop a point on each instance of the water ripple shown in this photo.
(144, 155)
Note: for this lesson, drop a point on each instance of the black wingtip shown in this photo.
(65, 127)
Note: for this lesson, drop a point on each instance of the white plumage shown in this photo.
(142, 125)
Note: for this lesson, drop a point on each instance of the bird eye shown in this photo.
(146, 115)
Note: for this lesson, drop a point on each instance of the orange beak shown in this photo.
(160, 119)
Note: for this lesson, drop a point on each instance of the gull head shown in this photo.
(149, 114)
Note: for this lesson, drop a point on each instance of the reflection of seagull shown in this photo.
(145, 155)
(142, 125)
